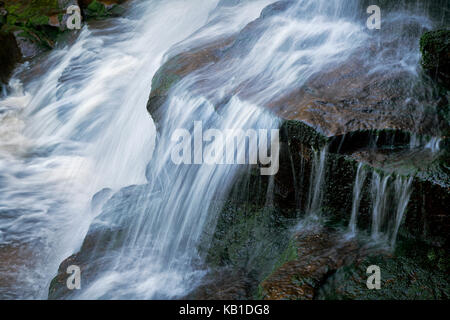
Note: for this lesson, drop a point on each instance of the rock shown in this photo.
(222, 284)
(106, 233)
(316, 255)
(415, 271)
(178, 67)
(9, 55)
(35, 25)
(14, 258)
(102, 8)
(435, 48)
(339, 99)
(100, 198)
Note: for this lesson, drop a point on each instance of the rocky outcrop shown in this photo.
(35, 25)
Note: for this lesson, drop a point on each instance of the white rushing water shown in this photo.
(82, 127)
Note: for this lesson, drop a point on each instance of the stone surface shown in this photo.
(9, 55)
(318, 254)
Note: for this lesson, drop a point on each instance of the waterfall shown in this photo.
(162, 232)
(361, 175)
(402, 196)
(379, 202)
(80, 155)
(389, 203)
(317, 180)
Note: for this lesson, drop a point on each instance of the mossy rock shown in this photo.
(31, 13)
(35, 24)
(102, 9)
(435, 48)
(415, 271)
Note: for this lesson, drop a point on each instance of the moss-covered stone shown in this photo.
(416, 271)
(101, 9)
(249, 238)
(435, 48)
(34, 24)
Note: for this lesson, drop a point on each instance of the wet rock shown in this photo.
(9, 55)
(35, 25)
(178, 67)
(316, 255)
(100, 198)
(106, 235)
(340, 99)
(14, 258)
(415, 271)
(222, 284)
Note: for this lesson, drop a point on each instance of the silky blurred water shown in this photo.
(76, 123)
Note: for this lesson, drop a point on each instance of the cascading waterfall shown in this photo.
(82, 130)
(162, 231)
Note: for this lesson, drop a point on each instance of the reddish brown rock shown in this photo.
(319, 253)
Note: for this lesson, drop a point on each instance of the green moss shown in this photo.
(289, 254)
(434, 45)
(39, 20)
(96, 8)
(297, 130)
(416, 271)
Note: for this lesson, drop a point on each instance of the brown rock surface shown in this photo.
(319, 253)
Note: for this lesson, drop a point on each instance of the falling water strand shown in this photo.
(379, 202)
(361, 175)
(390, 198)
(317, 182)
(402, 195)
